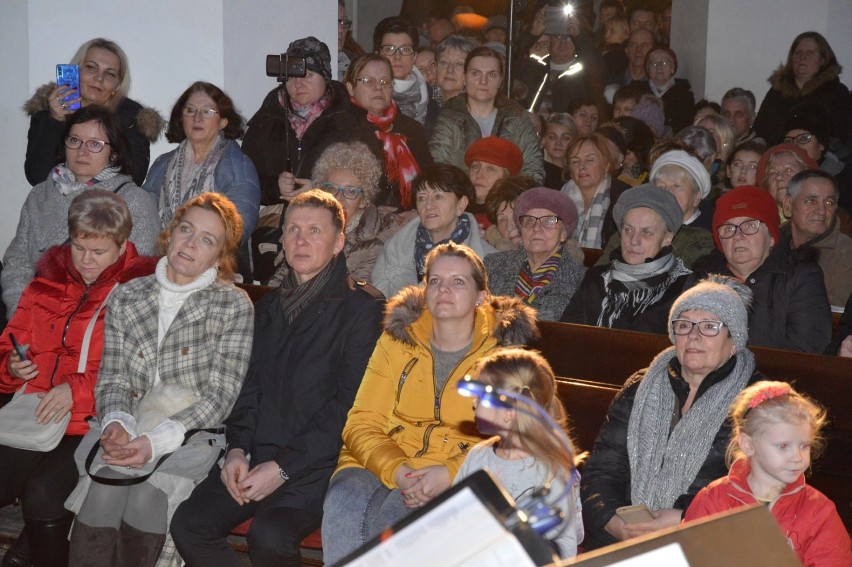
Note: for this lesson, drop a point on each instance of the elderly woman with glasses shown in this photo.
(790, 309)
(95, 155)
(666, 432)
(375, 119)
(208, 158)
(104, 81)
(349, 172)
(776, 168)
(547, 271)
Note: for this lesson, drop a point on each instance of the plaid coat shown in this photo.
(207, 348)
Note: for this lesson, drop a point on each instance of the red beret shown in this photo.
(763, 164)
(746, 201)
(496, 151)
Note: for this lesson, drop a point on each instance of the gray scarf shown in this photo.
(413, 98)
(184, 180)
(664, 461)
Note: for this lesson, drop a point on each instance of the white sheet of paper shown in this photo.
(459, 532)
(670, 555)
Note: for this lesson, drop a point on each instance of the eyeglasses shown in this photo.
(372, 83)
(708, 328)
(447, 65)
(547, 221)
(404, 50)
(748, 228)
(94, 146)
(660, 64)
(801, 139)
(347, 191)
(206, 113)
(345, 24)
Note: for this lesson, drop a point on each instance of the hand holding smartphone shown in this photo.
(635, 514)
(68, 76)
(22, 352)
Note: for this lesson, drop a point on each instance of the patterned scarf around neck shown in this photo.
(412, 96)
(638, 294)
(530, 283)
(295, 297)
(185, 180)
(664, 461)
(68, 183)
(423, 241)
(590, 219)
(400, 164)
(301, 117)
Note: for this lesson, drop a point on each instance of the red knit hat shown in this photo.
(746, 201)
(497, 151)
(763, 164)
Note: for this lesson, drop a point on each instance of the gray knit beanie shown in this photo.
(725, 297)
(694, 168)
(658, 200)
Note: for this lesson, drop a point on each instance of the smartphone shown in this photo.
(556, 19)
(22, 352)
(69, 75)
(634, 514)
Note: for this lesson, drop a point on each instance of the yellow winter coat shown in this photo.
(398, 417)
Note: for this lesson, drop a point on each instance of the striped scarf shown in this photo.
(530, 283)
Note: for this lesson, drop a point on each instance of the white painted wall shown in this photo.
(727, 43)
(169, 44)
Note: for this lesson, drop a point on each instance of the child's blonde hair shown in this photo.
(768, 403)
(526, 372)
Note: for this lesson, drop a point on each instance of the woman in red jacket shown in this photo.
(72, 282)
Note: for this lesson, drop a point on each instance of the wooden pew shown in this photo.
(593, 362)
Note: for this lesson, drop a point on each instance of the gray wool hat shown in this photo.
(659, 200)
(694, 168)
(723, 296)
(316, 54)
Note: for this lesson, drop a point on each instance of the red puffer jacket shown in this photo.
(52, 317)
(808, 519)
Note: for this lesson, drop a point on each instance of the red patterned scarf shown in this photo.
(400, 164)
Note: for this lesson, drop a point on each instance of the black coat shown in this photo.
(605, 484)
(266, 140)
(678, 103)
(790, 308)
(45, 136)
(302, 380)
(585, 305)
(356, 128)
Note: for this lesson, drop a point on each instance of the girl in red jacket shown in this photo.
(775, 429)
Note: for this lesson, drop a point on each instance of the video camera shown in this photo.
(282, 67)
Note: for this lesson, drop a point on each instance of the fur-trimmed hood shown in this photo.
(55, 265)
(513, 322)
(784, 83)
(148, 120)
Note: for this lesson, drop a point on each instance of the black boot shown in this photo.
(19, 554)
(49, 541)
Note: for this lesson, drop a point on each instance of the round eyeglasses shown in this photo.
(347, 191)
(708, 328)
(801, 139)
(404, 50)
(206, 113)
(748, 228)
(94, 146)
(529, 221)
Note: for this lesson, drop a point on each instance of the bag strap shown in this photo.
(130, 481)
(120, 187)
(87, 337)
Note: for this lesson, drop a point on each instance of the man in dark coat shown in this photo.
(313, 338)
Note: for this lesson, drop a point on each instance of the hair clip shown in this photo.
(767, 394)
